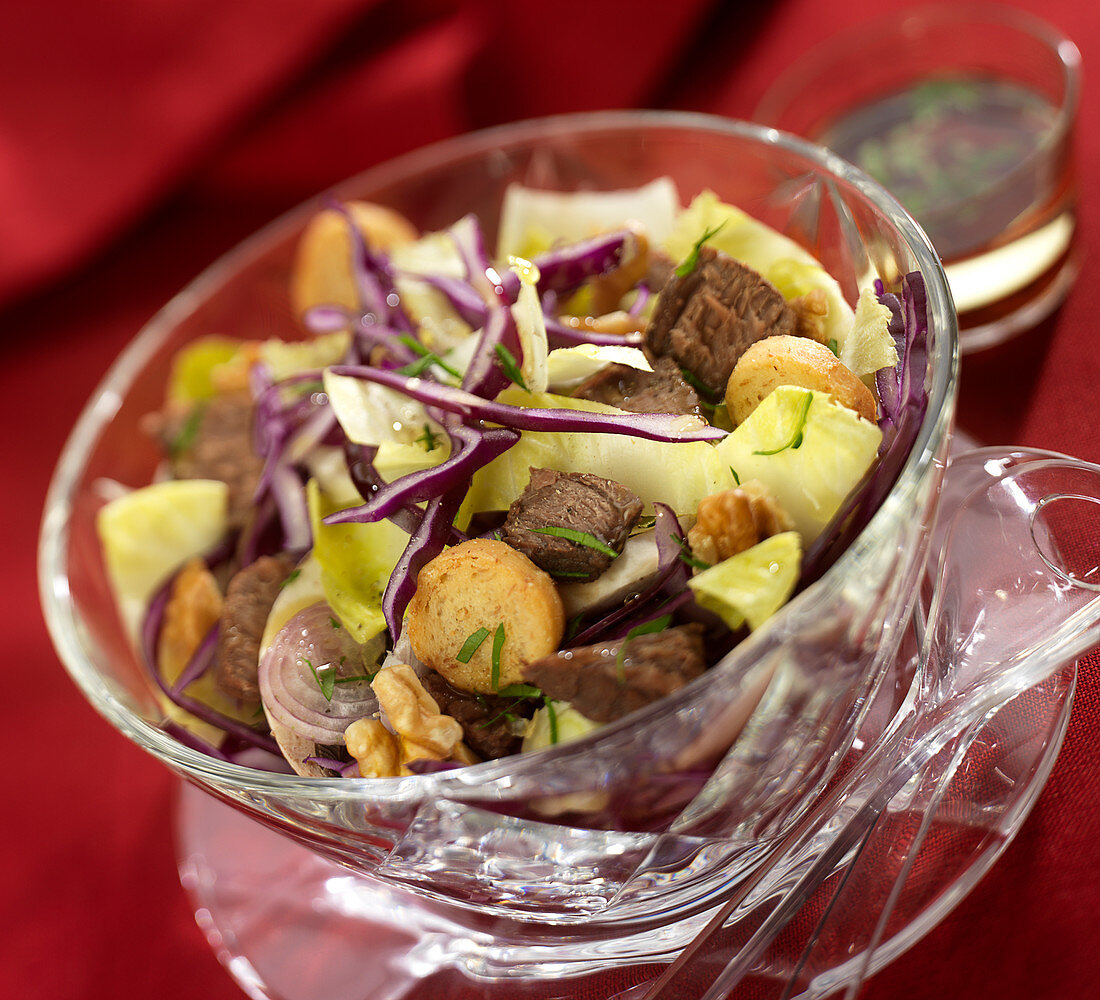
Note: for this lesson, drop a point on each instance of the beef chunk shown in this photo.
(214, 441)
(603, 687)
(248, 600)
(659, 272)
(662, 390)
(575, 501)
(707, 319)
(486, 719)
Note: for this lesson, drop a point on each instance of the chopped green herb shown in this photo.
(574, 627)
(685, 553)
(428, 439)
(736, 477)
(563, 574)
(834, 347)
(520, 691)
(291, 577)
(470, 646)
(427, 358)
(334, 622)
(705, 392)
(188, 432)
(691, 261)
(580, 537)
(511, 369)
(646, 628)
(498, 645)
(327, 682)
(796, 436)
(552, 716)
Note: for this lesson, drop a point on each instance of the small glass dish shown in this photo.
(965, 113)
(605, 852)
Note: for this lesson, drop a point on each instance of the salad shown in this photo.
(491, 502)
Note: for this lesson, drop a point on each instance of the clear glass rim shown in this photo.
(859, 36)
(59, 611)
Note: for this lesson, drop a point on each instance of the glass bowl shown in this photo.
(585, 854)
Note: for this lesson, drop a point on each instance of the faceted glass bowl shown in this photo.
(633, 827)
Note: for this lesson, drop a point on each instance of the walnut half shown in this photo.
(735, 520)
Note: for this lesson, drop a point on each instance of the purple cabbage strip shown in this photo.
(561, 334)
(464, 298)
(904, 403)
(471, 449)
(341, 767)
(484, 376)
(485, 280)
(670, 584)
(201, 660)
(426, 543)
(150, 633)
(189, 739)
(564, 269)
(374, 281)
(651, 426)
(367, 481)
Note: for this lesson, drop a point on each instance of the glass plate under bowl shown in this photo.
(587, 853)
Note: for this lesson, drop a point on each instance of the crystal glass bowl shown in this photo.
(607, 840)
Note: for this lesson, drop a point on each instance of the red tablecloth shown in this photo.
(139, 140)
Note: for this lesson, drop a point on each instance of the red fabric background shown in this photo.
(138, 141)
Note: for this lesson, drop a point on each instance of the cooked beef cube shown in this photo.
(214, 441)
(576, 502)
(603, 687)
(659, 272)
(662, 390)
(708, 318)
(486, 719)
(248, 600)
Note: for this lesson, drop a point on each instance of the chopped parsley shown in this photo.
(470, 646)
(685, 553)
(335, 622)
(325, 678)
(796, 437)
(429, 439)
(552, 717)
(187, 432)
(691, 261)
(291, 577)
(520, 691)
(426, 360)
(580, 537)
(736, 477)
(498, 645)
(834, 347)
(511, 368)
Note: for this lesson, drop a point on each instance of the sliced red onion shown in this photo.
(311, 648)
(671, 428)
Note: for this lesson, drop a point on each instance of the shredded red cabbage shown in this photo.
(651, 426)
